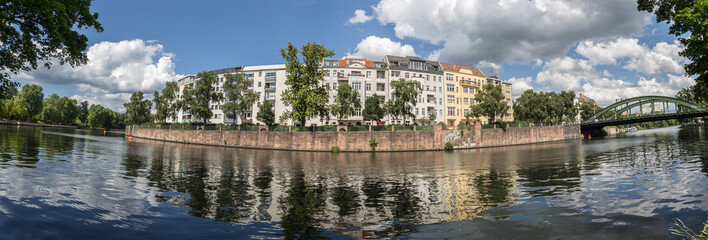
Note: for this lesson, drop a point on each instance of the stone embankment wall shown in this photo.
(359, 141)
(28, 124)
(478, 138)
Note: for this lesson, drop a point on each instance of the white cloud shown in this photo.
(490, 68)
(520, 85)
(113, 71)
(360, 17)
(509, 30)
(664, 57)
(375, 48)
(566, 73)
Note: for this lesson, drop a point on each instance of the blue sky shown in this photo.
(604, 49)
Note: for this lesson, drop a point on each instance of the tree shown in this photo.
(530, 107)
(39, 31)
(16, 108)
(203, 94)
(51, 111)
(266, 114)
(100, 117)
(32, 98)
(138, 109)
(689, 94)
(404, 97)
(432, 117)
(305, 95)
(346, 103)
(372, 109)
(472, 113)
(588, 109)
(160, 107)
(491, 101)
(687, 18)
(239, 98)
(169, 95)
(84, 111)
(69, 110)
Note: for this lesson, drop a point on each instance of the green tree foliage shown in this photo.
(305, 95)
(346, 103)
(432, 117)
(203, 94)
(689, 21)
(490, 102)
(588, 109)
(138, 109)
(32, 98)
(545, 106)
(404, 97)
(266, 114)
(41, 31)
(15, 108)
(169, 96)
(83, 112)
(372, 109)
(160, 107)
(60, 110)
(472, 113)
(239, 98)
(100, 117)
(689, 94)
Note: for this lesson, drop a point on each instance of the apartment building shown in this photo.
(461, 84)
(430, 76)
(367, 77)
(506, 90)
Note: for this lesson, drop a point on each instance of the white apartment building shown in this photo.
(368, 77)
(430, 76)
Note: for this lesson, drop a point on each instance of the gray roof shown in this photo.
(401, 63)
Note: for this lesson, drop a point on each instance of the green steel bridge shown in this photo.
(643, 109)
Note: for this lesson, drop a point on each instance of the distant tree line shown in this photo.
(30, 105)
(551, 107)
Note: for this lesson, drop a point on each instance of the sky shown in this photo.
(606, 49)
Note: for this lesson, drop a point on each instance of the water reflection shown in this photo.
(377, 195)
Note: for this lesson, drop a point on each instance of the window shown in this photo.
(427, 77)
(368, 74)
(417, 65)
(270, 75)
(471, 101)
(449, 76)
(395, 74)
(465, 101)
(464, 89)
(416, 111)
(450, 98)
(357, 112)
(435, 88)
(334, 85)
(407, 75)
(450, 87)
(331, 63)
(380, 87)
(508, 93)
(327, 73)
(451, 111)
(467, 111)
(356, 85)
(368, 87)
(249, 76)
(259, 84)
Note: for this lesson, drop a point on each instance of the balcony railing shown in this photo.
(273, 78)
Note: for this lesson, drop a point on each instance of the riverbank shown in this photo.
(29, 124)
(389, 141)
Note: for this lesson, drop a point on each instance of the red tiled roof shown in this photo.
(457, 68)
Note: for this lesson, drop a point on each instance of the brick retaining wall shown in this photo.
(359, 141)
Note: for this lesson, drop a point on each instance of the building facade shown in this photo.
(447, 90)
(461, 84)
(430, 76)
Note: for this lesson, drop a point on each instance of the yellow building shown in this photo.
(461, 84)
(506, 90)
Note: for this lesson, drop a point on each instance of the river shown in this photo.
(80, 184)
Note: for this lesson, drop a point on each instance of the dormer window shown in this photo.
(331, 63)
(417, 65)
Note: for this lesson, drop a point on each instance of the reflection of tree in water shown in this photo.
(494, 188)
(301, 206)
(405, 205)
(233, 197)
(23, 142)
(548, 180)
(346, 198)
(134, 160)
(374, 190)
(263, 191)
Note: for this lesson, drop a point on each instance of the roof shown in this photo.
(401, 63)
(343, 62)
(263, 67)
(457, 68)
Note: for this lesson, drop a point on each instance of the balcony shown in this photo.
(467, 82)
(269, 88)
(270, 79)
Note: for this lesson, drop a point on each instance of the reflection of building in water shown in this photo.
(348, 194)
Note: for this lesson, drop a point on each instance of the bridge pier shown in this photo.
(593, 131)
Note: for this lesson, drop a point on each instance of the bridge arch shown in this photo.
(625, 106)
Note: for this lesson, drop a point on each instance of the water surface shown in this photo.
(67, 183)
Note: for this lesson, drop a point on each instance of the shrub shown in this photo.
(335, 149)
(373, 143)
(448, 147)
(443, 124)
